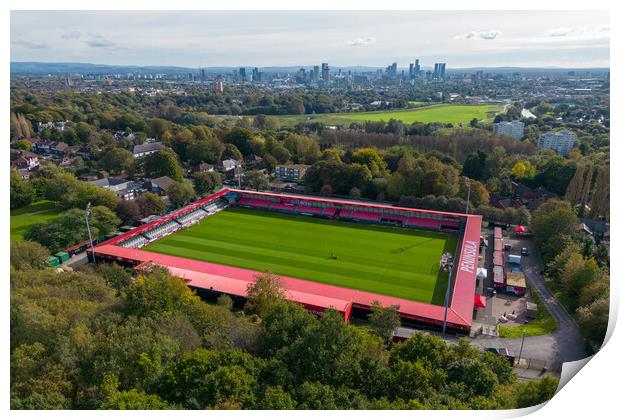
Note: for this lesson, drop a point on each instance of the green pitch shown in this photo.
(388, 260)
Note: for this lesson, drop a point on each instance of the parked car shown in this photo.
(501, 351)
(525, 251)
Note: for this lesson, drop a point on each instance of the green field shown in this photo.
(388, 260)
(445, 114)
(22, 219)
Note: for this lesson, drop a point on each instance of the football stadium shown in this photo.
(328, 253)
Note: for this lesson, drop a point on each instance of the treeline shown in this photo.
(458, 144)
(577, 266)
(100, 339)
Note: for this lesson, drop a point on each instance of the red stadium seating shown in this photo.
(422, 222)
(366, 215)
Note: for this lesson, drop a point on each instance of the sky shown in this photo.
(267, 38)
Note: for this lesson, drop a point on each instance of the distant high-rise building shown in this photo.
(509, 128)
(411, 71)
(560, 141)
(439, 71)
(391, 71)
(325, 72)
(242, 74)
(315, 73)
(203, 75)
(218, 86)
(416, 68)
(255, 75)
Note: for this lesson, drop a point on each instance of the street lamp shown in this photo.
(446, 299)
(468, 183)
(523, 332)
(90, 236)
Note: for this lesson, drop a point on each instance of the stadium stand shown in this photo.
(192, 217)
(137, 241)
(162, 230)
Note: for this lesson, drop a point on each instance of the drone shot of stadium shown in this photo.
(340, 254)
(306, 210)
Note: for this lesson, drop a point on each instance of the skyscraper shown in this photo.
(242, 74)
(315, 74)
(416, 68)
(439, 71)
(325, 72)
(255, 75)
(411, 71)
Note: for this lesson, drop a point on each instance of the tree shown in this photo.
(231, 152)
(205, 151)
(594, 320)
(532, 393)
(264, 122)
(128, 211)
(22, 145)
(163, 163)
(206, 182)
(156, 293)
(22, 191)
(553, 220)
(256, 180)
(276, 398)
(355, 193)
(523, 170)
(241, 138)
(28, 255)
(181, 194)
(475, 166)
(150, 203)
(117, 277)
(263, 294)
(371, 159)
(384, 321)
(117, 160)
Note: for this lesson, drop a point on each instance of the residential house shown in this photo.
(145, 149)
(160, 185)
(21, 159)
(124, 188)
(204, 167)
(291, 172)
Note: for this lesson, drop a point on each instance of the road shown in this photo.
(563, 345)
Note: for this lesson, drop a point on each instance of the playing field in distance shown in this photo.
(387, 260)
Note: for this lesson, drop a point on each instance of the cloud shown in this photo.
(100, 43)
(361, 42)
(485, 35)
(30, 44)
(72, 35)
(560, 32)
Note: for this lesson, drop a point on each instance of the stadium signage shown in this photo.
(469, 259)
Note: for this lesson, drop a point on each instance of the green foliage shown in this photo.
(22, 192)
(536, 392)
(256, 180)
(150, 203)
(163, 163)
(384, 321)
(28, 255)
(70, 228)
(206, 182)
(181, 194)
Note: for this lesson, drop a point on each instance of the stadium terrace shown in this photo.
(315, 295)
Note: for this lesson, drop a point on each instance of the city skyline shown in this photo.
(374, 39)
